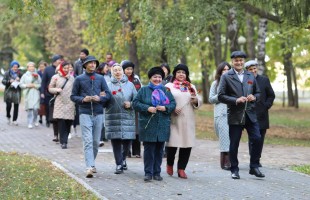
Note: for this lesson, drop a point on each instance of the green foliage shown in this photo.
(302, 169)
(27, 177)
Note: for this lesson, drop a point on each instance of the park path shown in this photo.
(206, 180)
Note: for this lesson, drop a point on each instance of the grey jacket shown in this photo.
(231, 88)
(120, 122)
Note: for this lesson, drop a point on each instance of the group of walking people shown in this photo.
(108, 101)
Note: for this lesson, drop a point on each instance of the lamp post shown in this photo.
(241, 41)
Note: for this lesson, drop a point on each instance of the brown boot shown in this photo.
(226, 161)
(169, 170)
(182, 174)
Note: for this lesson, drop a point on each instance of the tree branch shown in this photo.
(262, 13)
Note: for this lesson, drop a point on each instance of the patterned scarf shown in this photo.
(184, 86)
(158, 96)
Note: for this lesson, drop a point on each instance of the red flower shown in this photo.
(250, 82)
(114, 92)
(92, 78)
(35, 75)
(192, 91)
(120, 89)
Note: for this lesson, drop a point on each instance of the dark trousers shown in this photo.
(184, 154)
(153, 157)
(64, 129)
(15, 111)
(47, 108)
(55, 128)
(120, 150)
(235, 132)
(262, 135)
(136, 146)
(102, 137)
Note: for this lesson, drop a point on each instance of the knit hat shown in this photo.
(238, 54)
(85, 51)
(90, 59)
(111, 63)
(127, 63)
(165, 65)
(14, 62)
(250, 63)
(156, 70)
(180, 67)
(56, 57)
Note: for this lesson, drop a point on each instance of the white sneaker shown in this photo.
(15, 123)
(36, 124)
(69, 136)
(30, 126)
(89, 173)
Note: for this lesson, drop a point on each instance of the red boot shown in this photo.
(182, 174)
(169, 170)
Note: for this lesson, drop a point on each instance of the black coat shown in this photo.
(266, 100)
(230, 89)
(48, 73)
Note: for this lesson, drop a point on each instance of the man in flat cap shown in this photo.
(265, 102)
(46, 79)
(239, 90)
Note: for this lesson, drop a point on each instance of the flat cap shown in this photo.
(238, 54)
(250, 63)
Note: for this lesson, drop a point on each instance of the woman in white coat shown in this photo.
(182, 134)
(220, 116)
(30, 83)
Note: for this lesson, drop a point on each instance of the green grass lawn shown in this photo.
(302, 169)
(27, 177)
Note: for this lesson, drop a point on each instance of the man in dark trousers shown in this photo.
(265, 102)
(46, 79)
(78, 64)
(239, 90)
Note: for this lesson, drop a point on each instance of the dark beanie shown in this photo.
(180, 67)
(127, 63)
(90, 59)
(156, 70)
(56, 57)
(165, 65)
(85, 51)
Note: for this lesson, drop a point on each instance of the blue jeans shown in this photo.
(153, 157)
(91, 130)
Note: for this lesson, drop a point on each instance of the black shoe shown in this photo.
(260, 165)
(119, 169)
(48, 124)
(147, 178)
(129, 154)
(124, 165)
(56, 139)
(101, 144)
(64, 146)
(158, 178)
(256, 172)
(40, 121)
(235, 175)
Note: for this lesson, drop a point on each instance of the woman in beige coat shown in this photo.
(64, 108)
(182, 134)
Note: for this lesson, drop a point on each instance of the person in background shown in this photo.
(128, 68)
(262, 106)
(91, 93)
(220, 116)
(168, 76)
(155, 104)
(78, 64)
(108, 57)
(46, 78)
(119, 116)
(183, 123)
(239, 90)
(31, 83)
(64, 109)
(41, 67)
(103, 70)
(12, 91)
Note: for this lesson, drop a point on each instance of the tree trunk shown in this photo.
(250, 37)
(288, 70)
(216, 43)
(233, 30)
(183, 59)
(296, 104)
(261, 45)
(128, 29)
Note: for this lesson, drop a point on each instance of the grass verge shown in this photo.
(28, 177)
(302, 169)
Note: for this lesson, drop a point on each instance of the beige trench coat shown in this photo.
(182, 128)
(64, 108)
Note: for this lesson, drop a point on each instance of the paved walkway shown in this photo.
(206, 180)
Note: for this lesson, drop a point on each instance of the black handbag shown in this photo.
(51, 103)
